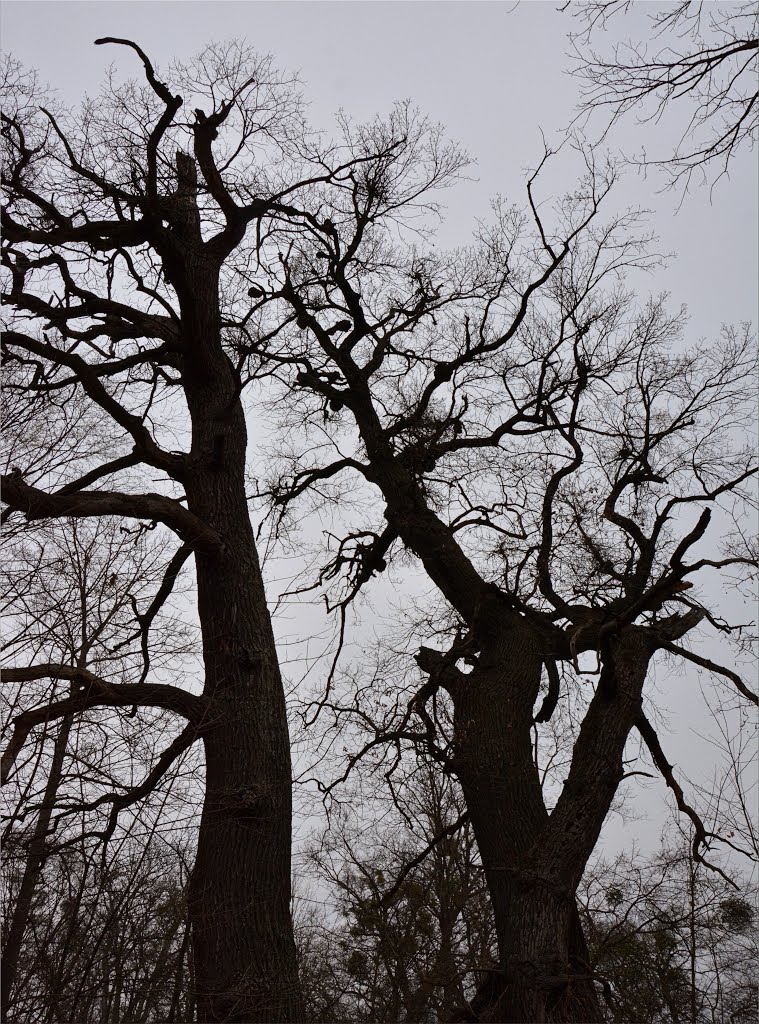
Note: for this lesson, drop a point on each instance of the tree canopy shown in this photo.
(505, 426)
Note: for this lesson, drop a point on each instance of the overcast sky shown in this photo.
(493, 73)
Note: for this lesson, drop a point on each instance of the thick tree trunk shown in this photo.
(243, 947)
(540, 938)
(244, 952)
(243, 944)
(534, 862)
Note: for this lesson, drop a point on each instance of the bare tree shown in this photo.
(673, 941)
(109, 940)
(701, 58)
(669, 941)
(537, 442)
(119, 222)
(71, 594)
(413, 933)
(533, 436)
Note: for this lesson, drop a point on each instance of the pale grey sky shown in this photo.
(493, 73)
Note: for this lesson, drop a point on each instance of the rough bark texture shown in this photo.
(240, 894)
(541, 945)
(243, 947)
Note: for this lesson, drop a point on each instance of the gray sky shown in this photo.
(493, 73)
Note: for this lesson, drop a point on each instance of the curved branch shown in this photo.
(176, 748)
(89, 379)
(408, 868)
(551, 698)
(38, 504)
(95, 692)
(167, 585)
(712, 666)
(158, 87)
(700, 835)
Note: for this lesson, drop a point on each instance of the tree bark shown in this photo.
(243, 946)
(543, 955)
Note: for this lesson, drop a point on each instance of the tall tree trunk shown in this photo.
(540, 939)
(179, 986)
(35, 860)
(243, 946)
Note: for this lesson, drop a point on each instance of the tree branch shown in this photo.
(95, 692)
(701, 836)
(712, 666)
(408, 868)
(89, 379)
(38, 504)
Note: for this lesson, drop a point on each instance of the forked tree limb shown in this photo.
(95, 692)
(38, 504)
(89, 379)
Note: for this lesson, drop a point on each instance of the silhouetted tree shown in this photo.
(70, 594)
(700, 59)
(109, 938)
(537, 441)
(673, 941)
(533, 436)
(415, 930)
(119, 222)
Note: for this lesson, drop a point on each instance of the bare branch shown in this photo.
(450, 830)
(95, 692)
(700, 836)
(37, 504)
(712, 666)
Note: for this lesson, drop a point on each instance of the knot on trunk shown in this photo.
(441, 666)
(251, 802)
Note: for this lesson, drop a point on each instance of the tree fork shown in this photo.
(542, 974)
